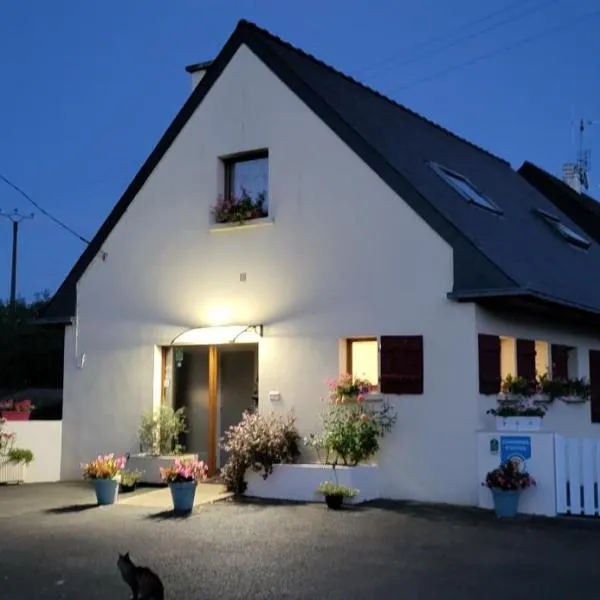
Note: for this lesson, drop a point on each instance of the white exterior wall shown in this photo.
(344, 257)
(567, 419)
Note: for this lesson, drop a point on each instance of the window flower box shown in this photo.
(574, 399)
(519, 423)
(241, 209)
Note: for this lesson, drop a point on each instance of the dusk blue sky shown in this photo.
(88, 88)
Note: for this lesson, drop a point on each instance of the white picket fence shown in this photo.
(577, 463)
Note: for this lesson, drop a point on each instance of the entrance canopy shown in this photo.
(229, 334)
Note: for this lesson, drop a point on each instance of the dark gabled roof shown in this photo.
(202, 66)
(509, 254)
(581, 208)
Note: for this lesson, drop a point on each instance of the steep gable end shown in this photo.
(409, 153)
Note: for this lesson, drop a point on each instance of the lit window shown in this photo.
(570, 236)
(363, 359)
(465, 188)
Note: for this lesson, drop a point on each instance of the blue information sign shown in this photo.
(515, 447)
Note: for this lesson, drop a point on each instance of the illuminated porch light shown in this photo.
(208, 336)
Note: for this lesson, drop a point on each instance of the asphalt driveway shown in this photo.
(54, 543)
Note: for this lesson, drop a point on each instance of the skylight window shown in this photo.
(570, 236)
(465, 188)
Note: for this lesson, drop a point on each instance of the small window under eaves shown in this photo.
(570, 236)
(465, 188)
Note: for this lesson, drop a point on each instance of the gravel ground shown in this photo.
(56, 544)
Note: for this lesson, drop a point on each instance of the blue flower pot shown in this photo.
(506, 503)
(183, 495)
(107, 490)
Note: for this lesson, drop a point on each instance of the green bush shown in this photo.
(350, 432)
(20, 455)
(160, 430)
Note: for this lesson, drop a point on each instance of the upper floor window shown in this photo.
(246, 188)
(465, 188)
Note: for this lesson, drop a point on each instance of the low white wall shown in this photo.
(299, 482)
(44, 439)
(538, 500)
(150, 466)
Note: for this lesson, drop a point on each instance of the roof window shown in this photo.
(465, 188)
(568, 234)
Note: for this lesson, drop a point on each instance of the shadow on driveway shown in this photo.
(72, 508)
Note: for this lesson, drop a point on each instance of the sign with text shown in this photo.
(516, 448)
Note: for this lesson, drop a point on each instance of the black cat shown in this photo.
(145, 584)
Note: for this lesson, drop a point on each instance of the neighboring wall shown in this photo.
(44, 439)
(344, 257)
(566, 419)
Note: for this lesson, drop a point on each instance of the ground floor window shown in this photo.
(394, 363)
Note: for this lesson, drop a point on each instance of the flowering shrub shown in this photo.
(258, 442)
(232, 209)
(185, 470)
(350, 430)
(11, 405)
(104, 467)
(348, 387)
(7, 439)
(508, 477)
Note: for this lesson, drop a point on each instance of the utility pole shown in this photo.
(15, 217)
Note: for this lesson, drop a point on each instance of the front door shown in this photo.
(237, 378)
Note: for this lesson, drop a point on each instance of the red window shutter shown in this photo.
(595, 385)
(402, 364)
(489, 364)
(526, 360)
(560, 362)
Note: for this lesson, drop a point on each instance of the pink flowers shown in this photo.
(104, 467)
(23, 406)
(185, 470)
(348, 388)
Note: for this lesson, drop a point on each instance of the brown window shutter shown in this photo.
(595, 385)
(560, 362)
(402, 364)
(526, 360)
(489, 364)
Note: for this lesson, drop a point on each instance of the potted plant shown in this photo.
(518, 416)
(335, 494)
(19, 459)
(158, 437)
(515, 389)
(129, 480)
(16, 411)
(234, 209)
(550, 389)
(506, 483)
(576, 390)
(105, 474)
(182, 479)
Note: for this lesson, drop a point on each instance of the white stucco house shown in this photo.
(384, 244)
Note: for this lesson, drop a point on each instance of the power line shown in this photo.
(42, 210)
(441, 37)
(470, 36)
(506, 48)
